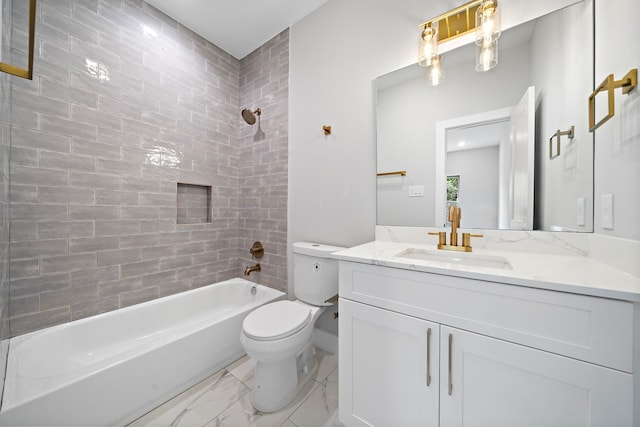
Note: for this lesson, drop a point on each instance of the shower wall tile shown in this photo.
(264, 166)
(114, 119)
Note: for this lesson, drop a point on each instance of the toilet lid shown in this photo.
(276, 320)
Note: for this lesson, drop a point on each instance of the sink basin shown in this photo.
(461, 258)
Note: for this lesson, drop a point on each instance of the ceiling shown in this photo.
(479, 135)
(237, 26)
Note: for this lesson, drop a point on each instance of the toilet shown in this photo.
(279, 335)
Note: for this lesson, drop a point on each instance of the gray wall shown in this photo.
(96, 161)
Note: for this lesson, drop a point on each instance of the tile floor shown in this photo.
(224, 399)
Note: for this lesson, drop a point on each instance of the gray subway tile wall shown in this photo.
(5, 153)
(264, 79)
(125, 104)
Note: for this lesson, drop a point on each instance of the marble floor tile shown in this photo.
(198, 405)
(243, 369)
(320, 406)
(327, 363)
(224, 399)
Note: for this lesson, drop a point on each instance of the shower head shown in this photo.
(250, 116)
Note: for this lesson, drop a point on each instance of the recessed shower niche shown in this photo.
(193, 204)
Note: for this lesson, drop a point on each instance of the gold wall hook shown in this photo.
(627, 83)
(568, 133)
(326, 129)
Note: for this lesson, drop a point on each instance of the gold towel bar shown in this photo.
(627, 83)
(569, 133)
(403, 173)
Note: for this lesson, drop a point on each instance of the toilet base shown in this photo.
(276, 383)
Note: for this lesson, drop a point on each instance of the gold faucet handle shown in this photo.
(442, 236)
(466, 238)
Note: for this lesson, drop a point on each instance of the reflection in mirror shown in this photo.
(554, 54)
(478, 149)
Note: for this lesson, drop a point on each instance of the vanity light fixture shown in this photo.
(487, 33)
(487, 23)
(428, 45)
(435, 74)
(481, 16)
(486, 56)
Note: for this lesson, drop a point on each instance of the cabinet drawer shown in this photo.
(596, 330)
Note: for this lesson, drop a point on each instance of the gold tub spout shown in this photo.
(249, 270)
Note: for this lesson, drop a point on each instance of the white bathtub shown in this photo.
(109, 369)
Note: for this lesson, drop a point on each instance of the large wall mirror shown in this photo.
(482, 140)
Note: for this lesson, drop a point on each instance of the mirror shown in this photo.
(17, 27)
(551, 59)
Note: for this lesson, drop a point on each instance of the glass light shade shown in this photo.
(427, 46)
(435, 74)
(487, 23)
(486, 56)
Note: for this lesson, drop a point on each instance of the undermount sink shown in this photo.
(461, 258)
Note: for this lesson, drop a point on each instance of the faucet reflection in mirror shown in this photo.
(481, 16)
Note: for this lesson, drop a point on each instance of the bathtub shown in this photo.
(109, 369)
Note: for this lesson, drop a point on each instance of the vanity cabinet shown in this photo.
(493, 354)
(388, 366)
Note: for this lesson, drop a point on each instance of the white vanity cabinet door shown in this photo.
(495, 383)
(384, 367)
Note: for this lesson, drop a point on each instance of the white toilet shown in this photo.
(279, 335)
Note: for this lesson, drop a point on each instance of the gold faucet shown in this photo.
(455, 213)
(249, 270)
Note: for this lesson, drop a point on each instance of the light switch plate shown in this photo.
(606, 206)
(581, 206)
(416, 190)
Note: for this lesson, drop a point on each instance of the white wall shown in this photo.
(617, 146)
(478, 197)
(336, 53)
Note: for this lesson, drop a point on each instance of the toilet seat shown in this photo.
(276, 320)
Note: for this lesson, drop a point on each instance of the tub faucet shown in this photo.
(249, 270)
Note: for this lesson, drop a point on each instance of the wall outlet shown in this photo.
(581, 206)
(606, 206)
(416, 190)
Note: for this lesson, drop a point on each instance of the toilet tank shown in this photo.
(315, 272)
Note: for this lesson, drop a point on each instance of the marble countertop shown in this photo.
(565, 273)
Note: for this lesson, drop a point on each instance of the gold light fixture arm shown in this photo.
(17, 71)
(627, 83)
(455, 22)
(568, 133)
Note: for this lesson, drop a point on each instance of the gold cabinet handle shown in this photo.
(449, 367)
(627, 83)
(568, 133)
(428, 357)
